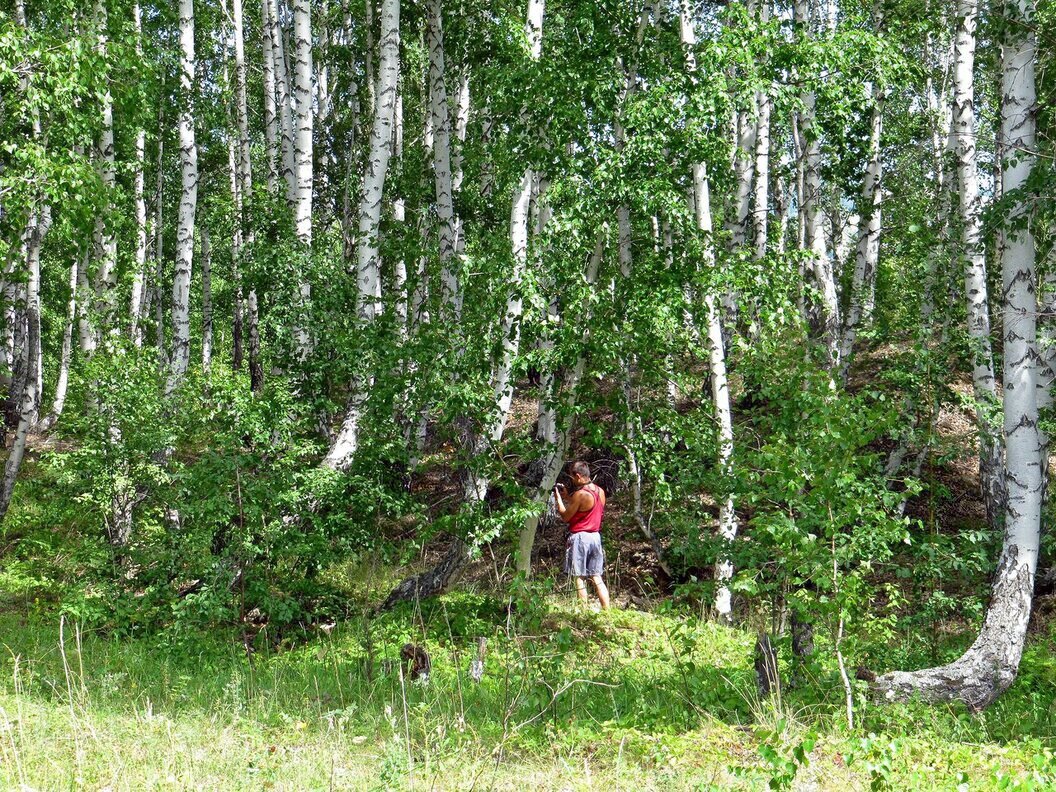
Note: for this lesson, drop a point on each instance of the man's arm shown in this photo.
(575, 504)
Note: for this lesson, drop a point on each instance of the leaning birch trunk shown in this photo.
(62, 382)
(990, 665)
(368, 264)
(868, 251)
(970, 207)
(245, 178)
(181, 284)
(824, 314)
(720, 394)
(29, 404)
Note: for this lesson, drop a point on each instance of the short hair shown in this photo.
(580, 468)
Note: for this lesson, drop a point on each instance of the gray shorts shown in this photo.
(584, 556)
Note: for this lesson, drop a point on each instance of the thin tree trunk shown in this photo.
(105, 238)
(983, 381)
(368, 264)
(990, 665)
(302, 91)
(181, 284)
(272, 134)
(716, 353)
(868, 251)
(159, 250)
(140, 266)
(510, 330)
(438, 108)
(824, 313)
(284, 103)
(207, 301)
(29, 404)
(63, 380)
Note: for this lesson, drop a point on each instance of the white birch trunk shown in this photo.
(272, 133)
(438, 108)
(970, 207)
(62, 382)
(105, 238)
(824, 319)
(29, 404)
(284, 103)
(303, 116)
(990, 665)
(761, 194)
(519, 215)
(720, 394)
(181, 284)
(867, 255)
(207, 300)
(368, 264)
(140, 265)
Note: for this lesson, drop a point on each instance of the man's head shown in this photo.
(579, 472)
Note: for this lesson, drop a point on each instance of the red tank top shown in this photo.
(588, 521)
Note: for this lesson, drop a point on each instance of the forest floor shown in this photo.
(620, 700)
(648, 696)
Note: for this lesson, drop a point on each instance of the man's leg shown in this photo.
(603, 591)
(581, 588)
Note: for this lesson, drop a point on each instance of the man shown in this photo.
(584, 557)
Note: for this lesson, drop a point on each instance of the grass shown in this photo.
(570, 699)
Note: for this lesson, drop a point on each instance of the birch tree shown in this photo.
(867, 255)
(990, 664)
(181, 284)
(368, 264)
(970, 207)
(720, 394)
(824, 313)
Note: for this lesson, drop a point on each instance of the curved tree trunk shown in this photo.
(990, 665)
(140, 266)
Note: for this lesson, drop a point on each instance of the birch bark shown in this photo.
(62, 382)
(29, 404)
(181, 284)
(970, 207)
(368, 265)
(990, 665)
(824, 309)
(868, 251)
(140, 265)
(438, 107)
(205, 253)
(105, 281)
(716, 353)
(511, 321)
